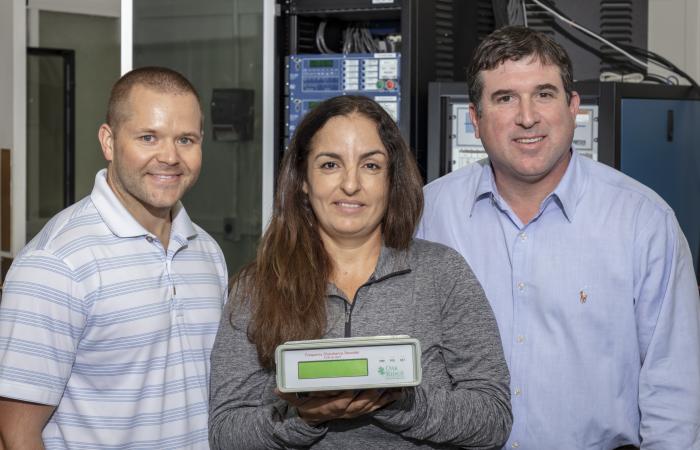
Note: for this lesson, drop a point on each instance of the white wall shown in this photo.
(6, 73)
(674, 33)
(13, 93)
(13, 55)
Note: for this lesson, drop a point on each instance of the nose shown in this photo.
(168, 153)
(528, 115)
(351, 181)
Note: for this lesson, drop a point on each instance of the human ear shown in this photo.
(574, 103)
(106, 137)
(474, 116)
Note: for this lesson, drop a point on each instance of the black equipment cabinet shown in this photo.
(437, 41)
(442, 96)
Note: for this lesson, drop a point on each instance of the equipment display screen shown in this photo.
(321, 63)
(333, 368)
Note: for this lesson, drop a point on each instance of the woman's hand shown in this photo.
(318, 407)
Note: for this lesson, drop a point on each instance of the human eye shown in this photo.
(147, 138)
(546, 94)
(184, 140)
(372, 166)
(506, 98)
(329, 165)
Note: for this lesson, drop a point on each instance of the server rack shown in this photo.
(438, 38)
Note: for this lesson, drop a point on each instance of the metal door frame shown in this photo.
(68, 57)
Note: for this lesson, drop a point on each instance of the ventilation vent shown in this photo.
(539, 19)
(306, 35)
(616, 25)
(486, 23)
(444, 40)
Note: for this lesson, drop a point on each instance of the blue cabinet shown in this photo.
(660, 146)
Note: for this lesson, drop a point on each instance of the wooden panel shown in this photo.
(5, 264)
(5, 206)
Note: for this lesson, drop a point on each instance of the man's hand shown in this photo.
(318, 407)
(21, 424)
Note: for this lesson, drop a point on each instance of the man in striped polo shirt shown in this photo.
(109, 314)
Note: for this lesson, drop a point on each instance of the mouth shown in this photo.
(529, 140)
(165, 177)
(348, 205)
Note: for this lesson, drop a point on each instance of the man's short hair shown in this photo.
(159, 79)
(513, 43)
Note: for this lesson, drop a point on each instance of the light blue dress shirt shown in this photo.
(596, 302)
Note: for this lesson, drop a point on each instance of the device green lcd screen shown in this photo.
(321, 63)
(333, 368)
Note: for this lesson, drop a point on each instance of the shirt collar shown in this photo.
(570, 187)
(566, 194)
(391, 262)
(486, 186)
(120, 221)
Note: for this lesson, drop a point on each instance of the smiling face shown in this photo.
(347, 179)
(156, 153)
(526, 124)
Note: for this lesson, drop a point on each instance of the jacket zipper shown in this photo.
(348, 315)
(348, 310)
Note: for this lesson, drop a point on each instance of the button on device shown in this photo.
(390, 84)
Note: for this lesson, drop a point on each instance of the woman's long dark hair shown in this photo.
(286, 284)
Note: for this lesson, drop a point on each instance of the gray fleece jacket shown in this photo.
(427, 292)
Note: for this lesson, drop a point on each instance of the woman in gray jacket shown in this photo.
(338, 260)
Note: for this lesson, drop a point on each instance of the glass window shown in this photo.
(218, 47)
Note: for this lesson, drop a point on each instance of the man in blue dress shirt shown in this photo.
(587, 270)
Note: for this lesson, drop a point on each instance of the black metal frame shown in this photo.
(68, 57)
(440, 97)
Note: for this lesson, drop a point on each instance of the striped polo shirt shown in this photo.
(99, 320)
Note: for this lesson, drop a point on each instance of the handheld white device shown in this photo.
(348, 363)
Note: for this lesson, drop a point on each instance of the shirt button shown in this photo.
(515, 444)
(521, 286)
(149, 238)
(520, 339)
(523, 236)
(518, 391)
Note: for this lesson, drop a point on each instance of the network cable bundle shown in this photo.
(360, 38)
(626, 62)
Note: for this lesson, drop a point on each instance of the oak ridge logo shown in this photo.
(390, 372)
